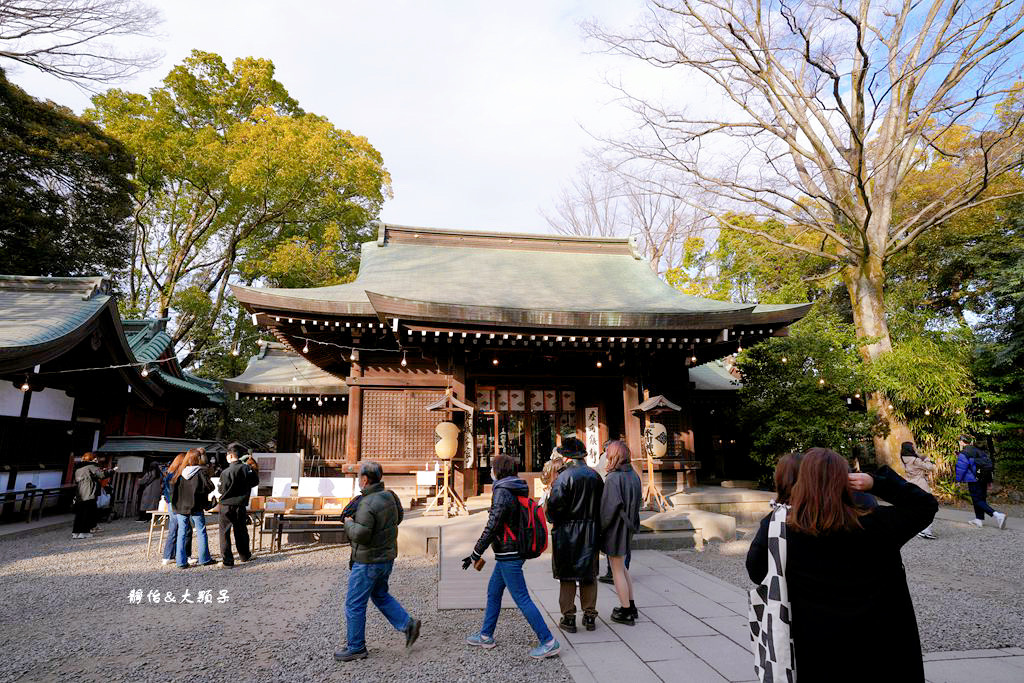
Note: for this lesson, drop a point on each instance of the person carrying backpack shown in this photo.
(974, 467)
(506, 531)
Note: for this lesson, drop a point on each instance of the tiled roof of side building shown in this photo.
(277, 370)
(37, 311)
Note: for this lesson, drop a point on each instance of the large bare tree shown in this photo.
(74, 39)
(827, 106)
(608, 201)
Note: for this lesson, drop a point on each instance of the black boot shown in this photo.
(589, 622)
(632, 610)
(568, 623)
(607, 578)
(622, 615)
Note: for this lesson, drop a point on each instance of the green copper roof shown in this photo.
(41, 318)
(714, 376)
(529, 273)
(277, 370)
(36, 311)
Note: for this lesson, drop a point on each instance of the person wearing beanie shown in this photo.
(574, 510)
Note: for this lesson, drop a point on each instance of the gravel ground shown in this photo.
(70, 602)
(967, 585)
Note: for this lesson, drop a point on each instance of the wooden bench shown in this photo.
(302, 515)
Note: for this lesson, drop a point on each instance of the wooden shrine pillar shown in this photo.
(469, 474)
(354, 424)
(631, 423)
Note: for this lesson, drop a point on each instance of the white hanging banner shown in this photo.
(592, 424)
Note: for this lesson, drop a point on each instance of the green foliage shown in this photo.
(250, 422)
(65, 192)
(805, 390)
(737, 266)
(928, 382)
(235, 182)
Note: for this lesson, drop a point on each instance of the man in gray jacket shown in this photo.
(371, 524)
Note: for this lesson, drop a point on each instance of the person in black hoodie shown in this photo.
(236, 482)
(502, 531)
(190, 497)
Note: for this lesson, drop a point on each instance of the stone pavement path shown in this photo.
(692, 626)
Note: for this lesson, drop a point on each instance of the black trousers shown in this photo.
(85, 517)
(979, 492)
(233, 517)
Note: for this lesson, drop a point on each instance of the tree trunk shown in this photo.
(865, 286)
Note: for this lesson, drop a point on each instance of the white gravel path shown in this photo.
(967, 585)
(65, 614)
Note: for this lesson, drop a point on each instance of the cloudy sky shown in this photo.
(482, 111)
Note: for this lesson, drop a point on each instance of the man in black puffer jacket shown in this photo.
(574, 508)
(372, 531)
(236, 482)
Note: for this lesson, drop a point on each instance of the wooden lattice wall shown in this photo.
(397, 426)
(318, 433)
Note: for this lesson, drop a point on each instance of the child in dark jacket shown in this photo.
(508, 566)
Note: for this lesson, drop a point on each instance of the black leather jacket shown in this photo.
(574, 510)
(503, 517)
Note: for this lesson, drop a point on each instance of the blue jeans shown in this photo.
(172, 539)
(509, 574)
(185, 538)
(370, 581)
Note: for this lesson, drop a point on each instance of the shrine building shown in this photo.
(540, 335)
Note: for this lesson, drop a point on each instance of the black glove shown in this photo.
(466, 561)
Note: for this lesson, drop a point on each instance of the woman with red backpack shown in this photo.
(504, 532)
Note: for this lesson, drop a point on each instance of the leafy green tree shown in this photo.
(805, 390)
(235, 181)
(833, 108)
(65, 192)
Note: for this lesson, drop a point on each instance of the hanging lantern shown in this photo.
(446, 440)
(656, 439)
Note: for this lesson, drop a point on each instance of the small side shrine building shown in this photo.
(541, 335)
(73, 373)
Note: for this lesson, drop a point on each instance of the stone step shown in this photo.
(672, 540)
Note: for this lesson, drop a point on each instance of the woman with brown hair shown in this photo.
(620, 519)
(172, 521)
(786, 471)
(833, 543)
(190, 496)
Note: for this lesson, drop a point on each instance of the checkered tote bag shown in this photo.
(769, 612)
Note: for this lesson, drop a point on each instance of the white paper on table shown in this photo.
(428, 478)
(330, 487)
(282, 487)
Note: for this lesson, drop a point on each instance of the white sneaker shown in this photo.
(1000, 518)
(976, 522)
(76, 536)
(166, 561)
(193, 561)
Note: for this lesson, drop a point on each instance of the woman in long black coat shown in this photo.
(574, 510)
(844, 570)
(620, 519)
